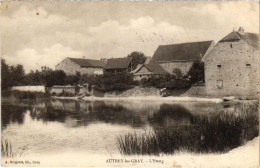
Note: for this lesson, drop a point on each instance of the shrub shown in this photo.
(166, 81)
(110, 82)
(196, 72)
(177, 73)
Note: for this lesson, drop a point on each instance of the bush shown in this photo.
(110, 82)
(196, 72)
(166, 81)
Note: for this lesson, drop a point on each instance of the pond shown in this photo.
(45, 126)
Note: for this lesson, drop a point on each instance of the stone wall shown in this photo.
(232, 69)
(70, 68)
(183, 66)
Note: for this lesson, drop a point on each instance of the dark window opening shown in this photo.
(219, 66)
(248, 65)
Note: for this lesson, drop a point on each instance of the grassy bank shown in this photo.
(24, 94)
(217, 133)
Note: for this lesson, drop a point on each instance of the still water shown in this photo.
(56, 126)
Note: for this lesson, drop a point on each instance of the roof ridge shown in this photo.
(187, 42)
(238, 35)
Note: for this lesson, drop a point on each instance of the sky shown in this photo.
(37, 34)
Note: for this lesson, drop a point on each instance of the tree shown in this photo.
(56, 77)
(177, 73)
(137, 58)
(73, 79)
(5, 75)
(196, 72)
(17, 75)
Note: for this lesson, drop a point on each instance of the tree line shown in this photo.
(15, 76)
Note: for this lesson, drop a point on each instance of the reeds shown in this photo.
(6, 148)
(217, 133)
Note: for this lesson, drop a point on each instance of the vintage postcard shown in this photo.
(130, 84)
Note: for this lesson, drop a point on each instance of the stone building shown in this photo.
(85, 66)
(232, 67)
(148, 70)
(181, 56)
(115, 65)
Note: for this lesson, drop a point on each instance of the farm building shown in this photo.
(147, 70)
(181, 56)
(115, 65)
(232, 67)
(85, 66)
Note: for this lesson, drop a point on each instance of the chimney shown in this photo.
(241, 30)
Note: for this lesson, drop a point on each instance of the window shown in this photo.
(219, 66)
(220, 84)
(248, 65)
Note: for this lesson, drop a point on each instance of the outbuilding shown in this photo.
(85, 66)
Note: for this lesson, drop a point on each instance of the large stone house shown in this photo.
(232, 67)
(115, 65)
(85, 66)
(181, 56)
(147, 70)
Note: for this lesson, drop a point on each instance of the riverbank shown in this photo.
(145, 98)
(241, 157)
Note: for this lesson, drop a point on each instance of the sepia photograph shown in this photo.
(130, 84)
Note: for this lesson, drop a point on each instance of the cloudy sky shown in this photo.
(43, 33)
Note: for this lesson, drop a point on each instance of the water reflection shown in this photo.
(49, 125)
(171, 116)
(12, 114)
(77, 113)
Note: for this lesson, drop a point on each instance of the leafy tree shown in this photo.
(56, 77)
(196, 72)
(17, 75)
(137, 58)
(73, 79)
(35, 78)
(5, 75)
(177, 73)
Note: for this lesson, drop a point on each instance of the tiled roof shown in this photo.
(118, 63)
(88, 62)
(148, 59)
(155, 69)
(251, 39)
(181, 52)
(137, 68)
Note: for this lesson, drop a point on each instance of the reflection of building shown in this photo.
(232, 67)
(73, 106)
(181, 56)
(85, 66)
